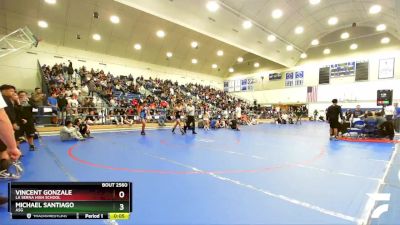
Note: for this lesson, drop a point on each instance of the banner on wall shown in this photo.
(299, 78)
(386, 68)
(244, 85)
(289, 79)
(250, 84)
(275, 76)
(231, 86)
(237, 85)
(294, 78)
(342, 69)
(226, 86)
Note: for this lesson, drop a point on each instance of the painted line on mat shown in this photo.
(300, 165)
(265, 192)
(371, 203)
(155, 171)
(67, 173)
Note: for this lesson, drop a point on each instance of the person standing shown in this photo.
(25, 119)
(8, 145)
(62, 103)
(332, 116)
(397, 117)
(38, 98)
(190, 122)
(143, 112)
(389, 112)
(238, 115)
(178, 109)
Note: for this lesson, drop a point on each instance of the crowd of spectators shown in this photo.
(73, 93)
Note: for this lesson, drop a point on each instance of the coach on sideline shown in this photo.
(8, 145)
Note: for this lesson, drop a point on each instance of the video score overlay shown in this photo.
(70, 200)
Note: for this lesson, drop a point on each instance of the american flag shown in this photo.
(312, 94)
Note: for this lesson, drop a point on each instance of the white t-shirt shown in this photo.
(73, 103)
(389, 110)
(238, 112)
(2, 102)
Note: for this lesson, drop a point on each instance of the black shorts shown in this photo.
(27, 129)
(334, 124)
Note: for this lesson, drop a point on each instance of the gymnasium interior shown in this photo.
(207, 112)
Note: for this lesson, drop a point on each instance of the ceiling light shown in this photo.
(160, 34)
(375, 9)
(333, 21)
(247, 24)
(314, 2)
(194, 61)
(214, 66)
(353, 46)
(42, 24)
(52, 2)
(271, 38)
(256, 64)
(381, 27)
(299, 30)
(137, 46)
(303, 55)
(385, 40)
(344, 35)
(277, 13)
(114, 19)
(327, 51)
(212, 6)
(220, 53)
(169, 54)
(96, 37)
(231, 70)
(289, 48)
(315, 42)
(240, 59)
(194, 44)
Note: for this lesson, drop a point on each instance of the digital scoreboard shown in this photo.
(70, 200)
(384, 97)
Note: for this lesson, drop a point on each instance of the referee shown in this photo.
(8, 145)
(332, 116)
(190, 110)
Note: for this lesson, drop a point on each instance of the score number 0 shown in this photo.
(121, 194)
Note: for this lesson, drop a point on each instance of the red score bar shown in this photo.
(69, 192)
(81, 195)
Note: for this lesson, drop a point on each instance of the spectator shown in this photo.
(83, 128)
(389, 112)
(68, 132)
(8, 145)
(379, 119)
(25, 119)
(358, 113)
(8, 92)
(62, 103)
(38, 98)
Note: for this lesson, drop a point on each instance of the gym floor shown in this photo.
(264, 174)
